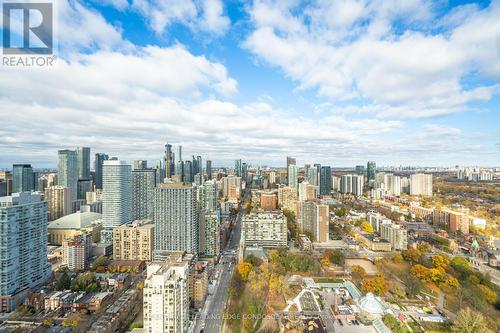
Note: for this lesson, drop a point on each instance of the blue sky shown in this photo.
(335, 82)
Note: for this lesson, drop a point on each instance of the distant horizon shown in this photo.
(326, 81)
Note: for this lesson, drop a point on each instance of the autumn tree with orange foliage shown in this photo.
(377, 285)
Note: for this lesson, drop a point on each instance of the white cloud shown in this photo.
(213, 18)
(79, 27)
(127, 100)
(118, 4)
(369, 51)
(203, 15)
(440, 130)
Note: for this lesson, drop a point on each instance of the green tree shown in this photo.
(100, 261)
(462, 267)
(291, 223)
(394, 324)
(64, 282)
(336, 257)
(253, 260)
(84, 281)
(341, 212)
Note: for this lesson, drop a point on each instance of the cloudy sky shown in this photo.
(409, 82)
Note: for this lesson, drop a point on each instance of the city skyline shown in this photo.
(342, 83)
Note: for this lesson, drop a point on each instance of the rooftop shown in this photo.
(76, 220)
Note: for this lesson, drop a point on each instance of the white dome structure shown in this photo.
(371, 306)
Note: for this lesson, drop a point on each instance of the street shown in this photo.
(210, 318)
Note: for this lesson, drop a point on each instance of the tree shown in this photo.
(424, 247)
(325, 261)
(101, 261)
(84, 281)
(367, 227)
(244, 269)
(449, 281)
(412, 255)
(489, 295)
(253, 260)
(394, 324)
(462, 267)
(64, 282)
(469, 321)
(413, 285)
(92, 287)
(291, 223)
(359, 270)
(276, 284)
(336, 257)
(397, 258)
(377, 285)
(436, 274)
(341, 212)
(236, 285)
(440, 261)
(248, 207)
(421, 272)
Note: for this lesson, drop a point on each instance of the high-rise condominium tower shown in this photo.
(325, 180)
(143, 184)
(371, 170)
(176, 216)
(421, 184)
(237, 168)
(188, 172)
(67, 171)
(23, 239)
(59, 201)
(168, 160)
(166, 297)
(293, 174)
(116, 196)
(199, 163)
(289, 161)
(179, 165)
(83, 162)
(209, 169)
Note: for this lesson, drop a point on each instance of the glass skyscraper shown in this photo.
(116, 197)
(67, 171)
(325, 180)
(371, 169)
(99, 160)
(83, 162)
(209, 169)
(22, 178)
